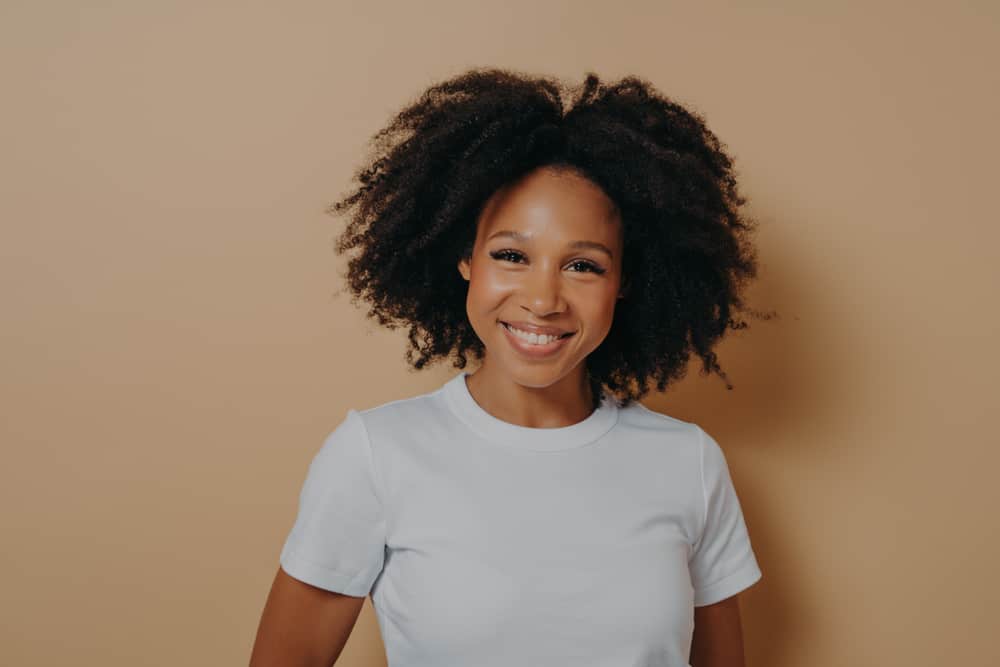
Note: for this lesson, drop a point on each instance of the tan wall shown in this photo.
(173, 352)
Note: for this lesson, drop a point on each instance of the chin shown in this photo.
(538, 376)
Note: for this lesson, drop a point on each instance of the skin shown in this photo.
(538, 276)
(303, 626)
(718, 635)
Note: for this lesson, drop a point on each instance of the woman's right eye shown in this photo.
(505, 255)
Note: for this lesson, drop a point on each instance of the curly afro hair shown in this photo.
(687, 255)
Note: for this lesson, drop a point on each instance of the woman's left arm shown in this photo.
(718, 636)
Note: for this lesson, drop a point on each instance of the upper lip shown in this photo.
(536, 328)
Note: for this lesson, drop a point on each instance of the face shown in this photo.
(547, 260)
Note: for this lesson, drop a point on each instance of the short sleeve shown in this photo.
(338, 539)
(722, 561)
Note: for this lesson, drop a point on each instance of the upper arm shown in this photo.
(331, 557)
(722, 561)
(718, 636)
(303, 626)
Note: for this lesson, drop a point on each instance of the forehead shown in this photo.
(551, 202)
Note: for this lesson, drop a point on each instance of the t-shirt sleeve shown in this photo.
(338, 539)
(722, 561)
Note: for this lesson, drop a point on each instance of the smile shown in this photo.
(533, 345)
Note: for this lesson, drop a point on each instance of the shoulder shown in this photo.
(698, 444)
(639, 418)
(670, 442)
(403, 414)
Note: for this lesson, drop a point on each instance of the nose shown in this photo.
(542, 292)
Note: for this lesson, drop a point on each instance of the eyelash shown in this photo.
(591, 267)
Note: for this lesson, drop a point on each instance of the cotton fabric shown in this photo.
(486, 543)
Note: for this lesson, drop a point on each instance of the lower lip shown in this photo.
(535, 351)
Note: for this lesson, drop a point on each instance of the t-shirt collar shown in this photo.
(465, 407)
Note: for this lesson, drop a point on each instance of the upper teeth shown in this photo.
(532, 338)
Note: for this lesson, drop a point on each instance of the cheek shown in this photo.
(486, 289)
(600, 300)
(599, 310)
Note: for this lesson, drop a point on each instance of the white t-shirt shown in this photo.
(486, 543)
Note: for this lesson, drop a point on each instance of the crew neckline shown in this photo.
(465, 407)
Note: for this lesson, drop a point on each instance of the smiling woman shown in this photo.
(533, 511)
(467, 144)
(544, 275)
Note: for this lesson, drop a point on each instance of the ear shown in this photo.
(464, 268)
(624, 288)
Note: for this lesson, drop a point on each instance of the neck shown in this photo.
(564, 402)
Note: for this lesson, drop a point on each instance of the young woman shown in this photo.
(531, 512)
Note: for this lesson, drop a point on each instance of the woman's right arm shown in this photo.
(303, 626)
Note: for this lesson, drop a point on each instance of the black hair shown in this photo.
(687, 250)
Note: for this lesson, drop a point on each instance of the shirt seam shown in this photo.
(746, 565)
(453, 405)
(295, 553)
(351, 578)
(704, 493)
(376, 475)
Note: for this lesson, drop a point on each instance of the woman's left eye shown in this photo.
(588, 266)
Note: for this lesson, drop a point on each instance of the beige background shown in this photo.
(173, 350)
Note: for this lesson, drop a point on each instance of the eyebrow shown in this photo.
(518, 236)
